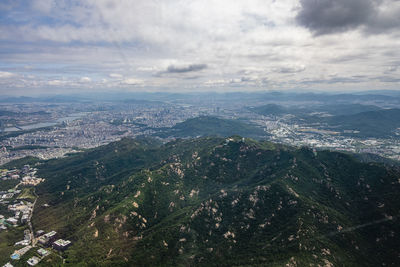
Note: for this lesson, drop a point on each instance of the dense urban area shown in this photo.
(51, 130)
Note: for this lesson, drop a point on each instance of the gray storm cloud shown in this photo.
(332, 16)
(188, 68)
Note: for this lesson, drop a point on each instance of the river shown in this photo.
(71, 117)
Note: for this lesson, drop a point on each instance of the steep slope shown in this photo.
(220, 202)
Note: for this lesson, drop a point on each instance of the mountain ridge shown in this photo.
(220, 201)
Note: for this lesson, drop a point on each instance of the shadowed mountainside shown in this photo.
(220, 202)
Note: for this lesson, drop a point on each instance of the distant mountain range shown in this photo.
(367, 120)
(334, 110)
(379, 123)
(212, 126)
(219, 202)
(213, 97)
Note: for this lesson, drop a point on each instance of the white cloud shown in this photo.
(147, 69)
(5, 74)
(85, 79)
(133, 81)
(180, 44)
(56, 82)
(115, 75)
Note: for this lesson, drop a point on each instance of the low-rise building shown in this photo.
(22, 243)
(43, 240)
(15, 176)
(51, 236)
(12, 221)
(8, 195)
(39, 233)
(27, 235)
(42, 252)
(33, 261)
(24, 218)
(18, 253)
(61, 244)
(26, 169)
(48, 238)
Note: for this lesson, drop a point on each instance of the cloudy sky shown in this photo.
(50, 46)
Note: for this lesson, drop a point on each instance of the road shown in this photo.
(34, 241)
(15, 187)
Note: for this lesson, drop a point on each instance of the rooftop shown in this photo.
(51, 234)
(62, 242)
(43, 252)
(33, 261)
